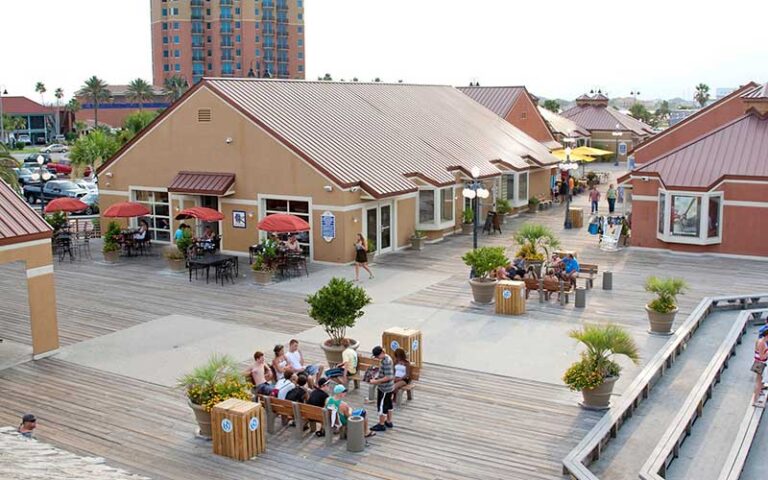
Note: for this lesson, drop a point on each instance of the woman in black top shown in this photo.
(361, 256)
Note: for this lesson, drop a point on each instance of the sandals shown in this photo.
(370, 434)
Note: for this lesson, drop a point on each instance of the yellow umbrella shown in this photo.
(594, 152)
(576, 157)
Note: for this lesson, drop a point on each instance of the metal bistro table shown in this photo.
(205, 262)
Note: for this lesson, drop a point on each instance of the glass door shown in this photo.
(385, 232)
(371, 233)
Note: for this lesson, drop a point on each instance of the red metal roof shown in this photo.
(499, 100)
(18, 222)
(758, 93)
(738, 149)
(23, 105)
(605, 118)
(377, 135)
(202, 183)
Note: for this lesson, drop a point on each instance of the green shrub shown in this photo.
(468, 215)
(215, 381)
(502, 206)
(371, 245)
(185, 241)
(56, 220)
(485, 260)
(110, 238)
(534, 201)
(666, 290)
(596, 363)
(337, 306)
(419, 234)
(533, 236)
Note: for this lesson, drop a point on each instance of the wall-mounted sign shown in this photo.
(622, 148)
(238, 219)
(507, 294)
(328, 226)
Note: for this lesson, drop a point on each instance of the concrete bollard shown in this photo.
(581, 298)
(607, 280)
(355, 434)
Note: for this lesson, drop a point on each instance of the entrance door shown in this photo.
(371, 230)
(378, 228)
(213, 203)
(385, 230)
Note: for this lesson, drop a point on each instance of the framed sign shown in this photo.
(622, 148)
(328, 226)
(238, 219)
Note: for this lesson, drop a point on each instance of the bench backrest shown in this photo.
(415, 372)
(311, 412)
(281, 407)
(588, 268)
(531, 283)
(364, 363)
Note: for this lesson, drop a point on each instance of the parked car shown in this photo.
(59, 138)
(92, 200)
(55, 148)
(91, 186)
(23, 139)
(61, 167)
(53, 189)
(32, 158)
(25, 175)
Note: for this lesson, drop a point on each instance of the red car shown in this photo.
(62, 167)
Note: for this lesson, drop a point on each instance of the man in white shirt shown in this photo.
(296, 361)
(286, 384)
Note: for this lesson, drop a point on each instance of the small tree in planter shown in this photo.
(535, 242)
(176, 255)
(662, 309)
(216, 380)
(533, 204)
(417, 239)
(596, 372)
(468, 220)
(503, 208)
(484, 261)
(336, 307)
(110, 247)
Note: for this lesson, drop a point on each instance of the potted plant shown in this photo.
(264, 266)
(596, 372)
(417, 240)
(175, 259)
(110, 248)
(533, 205)
(336, 307)
(662, 309)
(503, 208)
(216, 380)
(484, 261)
(371, 249)
(535, 242)
(56, 220)
(468, 220)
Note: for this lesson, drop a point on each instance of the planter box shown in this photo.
(483, 290)
(333, 352)
(262, 277)
(112, 257)
(203, 420)
(599, 398)
(466, 228)
(176, 265)
(661, 323)
(417, 243)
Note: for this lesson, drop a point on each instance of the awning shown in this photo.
(202, 183)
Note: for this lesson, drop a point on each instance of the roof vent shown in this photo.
(204, 115)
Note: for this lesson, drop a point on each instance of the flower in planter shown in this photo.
(215, 381)
(485, 260)
(337, 306)
(596, 363)
(666, 290)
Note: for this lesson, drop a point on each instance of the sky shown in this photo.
(557, 48)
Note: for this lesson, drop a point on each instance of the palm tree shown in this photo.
(139, 91)
(7, 164)
(702, 94)
(40, 88)
(175, 87)
(95, 90)
(604, 341)
(59, 94)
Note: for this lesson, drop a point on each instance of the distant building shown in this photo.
(113, 111)
(227, 38)
(39, 120)
(677, 116)
(723, 92)
(563, 128)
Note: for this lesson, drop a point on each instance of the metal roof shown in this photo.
(202, 183)
(18, 222)
(605, 118)
(758, 93)
(377, 135)
(563, 126)
(738, 149)
(499, 100)
(23, 105)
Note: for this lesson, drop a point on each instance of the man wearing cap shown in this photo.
(28, 425)
(385, 382)
(343, 411)
(319, 394)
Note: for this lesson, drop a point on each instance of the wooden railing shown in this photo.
(590, 448)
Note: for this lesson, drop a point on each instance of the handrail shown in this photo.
(667, 450)
(589, 449)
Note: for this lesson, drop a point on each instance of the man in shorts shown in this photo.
(385, 383)
(296, 359)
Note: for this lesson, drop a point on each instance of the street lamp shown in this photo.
(566, 166)
(616, 135)
(474, 192)
(3, 91)
(43, 176)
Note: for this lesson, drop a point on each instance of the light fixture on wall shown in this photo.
(228, 140)
(108, 174)
(354, 220)
(354, 189)
(250, 214)
(328, 188)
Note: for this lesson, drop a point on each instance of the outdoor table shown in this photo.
(207, 261)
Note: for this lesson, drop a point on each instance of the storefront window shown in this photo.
(684, 218)
(158, 220)
(713, 224)
(296, 208)
(693, 218)
(446, 202)
(426, 206)
(522, 194)
(510, 187)
(662, 201)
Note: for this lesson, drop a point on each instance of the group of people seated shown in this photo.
(206, 241)
(566, 269)
(289, 377)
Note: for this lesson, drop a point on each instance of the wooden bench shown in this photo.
(560, 287)
(363, 364)
(408, 389)
(532, 284)
(299, 413)
(277, 408)
(544, 201)
(588, 272)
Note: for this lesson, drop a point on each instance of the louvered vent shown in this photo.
(204, 115)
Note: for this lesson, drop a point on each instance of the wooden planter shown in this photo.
(417, 243)
(112, 257)
(203, 420)
(661, 323)
(599, 398)
(483, 290)
(176, 265)
(262, 277)
(333, 352)
(466, 228)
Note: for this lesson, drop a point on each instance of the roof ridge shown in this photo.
(323, 82)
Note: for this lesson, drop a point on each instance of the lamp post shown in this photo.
(617, 135)
(566, 167)
(43, 176)
(475, 191)
(3, 91)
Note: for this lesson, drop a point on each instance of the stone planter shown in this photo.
(533, 207)
(371, 256)
(466, 229)
(483, 289)
(262, 277)
(333, 352)
(176, 265)
(417, 243)
(661, 323)
(599, 398)
(112, 257)
(203, 420)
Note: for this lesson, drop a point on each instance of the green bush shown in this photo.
(502, 206)
(215, 381)
(534, 201)
(533, 236)
(110, 238)
(56, 220)
(337, 306)
(371, 245)
(469, 215)
(596, 363)
(485, 260)
(666, 290)
(185, 241)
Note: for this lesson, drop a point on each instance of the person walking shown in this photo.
(594, 198)
(758, 365)
(385, 382)
(611, 196)
(361, 257)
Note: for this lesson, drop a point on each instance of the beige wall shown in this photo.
(406, 221)
(538, 182)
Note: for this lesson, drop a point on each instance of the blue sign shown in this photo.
(622, 148)
(507, 294)
(394, 345)
(328, 226)
(226, 425)
(253, 424)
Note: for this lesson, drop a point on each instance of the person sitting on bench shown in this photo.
(261, 375)
(341, 411)
(571, 270)
(550, 276)
(299, 393)
(530, 273)
(285, 384)
(296, 360)
(402, 371)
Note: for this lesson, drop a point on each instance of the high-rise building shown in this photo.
(227, 38)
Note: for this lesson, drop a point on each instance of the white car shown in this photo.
(55, 148)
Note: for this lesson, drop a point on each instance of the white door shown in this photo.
(379, 227)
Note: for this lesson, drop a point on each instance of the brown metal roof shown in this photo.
(378, 135)
(605, 118)
(758, 93)
(561, 125)
(18, 222)
(499, 100)
(202, 183)
(738, 149)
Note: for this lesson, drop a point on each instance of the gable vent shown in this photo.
(204, 115)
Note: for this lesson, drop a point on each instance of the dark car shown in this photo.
(54, 189)
(92, 200)
(32, 158)
(26, 175)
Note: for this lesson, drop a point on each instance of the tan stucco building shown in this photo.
(380, 159)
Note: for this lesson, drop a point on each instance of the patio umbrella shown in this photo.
(575, 157)
(126, 210)
(591, 151)
(201, 213)
(283, 223)
(65, 204)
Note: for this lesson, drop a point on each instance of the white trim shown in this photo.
(116, 193)
(148, 189)
(240, 201)
(261, 209)
(747, 182)
(392, 223)
(644, 198)
(31, 243)
(47, 354)
(39, 271)
(341, 208)
(700, 254)
(703, 237)
(744, 203)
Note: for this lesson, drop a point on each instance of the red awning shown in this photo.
(201, 213)
(202, 183)
(126, 210)
(283, 223)
(65, 204)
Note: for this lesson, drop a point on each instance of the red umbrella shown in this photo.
(126, 210)
(283, 223)
(201, 213)
(65, 204)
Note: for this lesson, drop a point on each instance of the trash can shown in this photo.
(577, 217)
(238, 429)
(408, 339)
(607, 280)
(510, 297)
(581, 298)
(355, 434)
